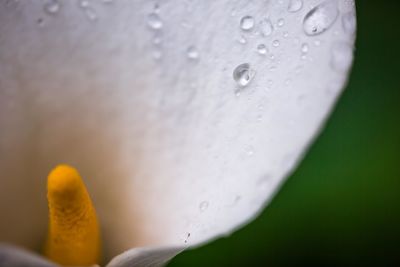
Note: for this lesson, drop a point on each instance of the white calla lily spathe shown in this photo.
(183, 117)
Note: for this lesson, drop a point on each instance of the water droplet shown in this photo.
(264, 183)
(249, 151)
(349, 22)
(52, 7)
(84, 3)
(154, 21)
(262, 49)
(192, 52)
(320, 18)
(295, 5)
(243, 74)
(275, 43)
(157, 40)
(40, 22)
(91, 13)
(285, 34)
(203, 206)
(342, 56)
(247, 23)
(242, 40)
(281, 22)
(266, 27)
(157, 8)
(304, 48)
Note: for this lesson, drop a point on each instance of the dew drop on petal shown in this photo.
(157, 40)
(156, 8)
(84, 3)
(203, 206)
(242, 40)
(154, 21)
(262, 49)
(249, 151)
(342, 54)
(266, 27)
(304, 48)
(264, 183)
(52, 7)
(243, 74)
(192, 53)
(91, 13)
(320, 18)
(275, 43)
(40, 22)
(295, 5)
(281, 22)
(349, 22)
(247, 23)
(285, 34)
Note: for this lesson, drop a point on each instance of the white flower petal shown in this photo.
(141, 99)
(145, 257)
(16, 257)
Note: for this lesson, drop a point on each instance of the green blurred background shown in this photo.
(342, 205)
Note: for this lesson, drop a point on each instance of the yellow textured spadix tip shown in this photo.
(74, 236)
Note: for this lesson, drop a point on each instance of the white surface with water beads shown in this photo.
(176, 144)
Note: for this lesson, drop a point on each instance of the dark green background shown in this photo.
(342, 205)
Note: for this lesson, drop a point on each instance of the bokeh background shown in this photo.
(342, 205)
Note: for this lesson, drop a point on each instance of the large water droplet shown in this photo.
(295, 5)
(243, 74)
(320, 18)
(262, 49)
(266, 27)
(52, 7)
(203, 206)
(247, 23)
(192, 53)
(154, 21)
(349, 22)
(342, 55)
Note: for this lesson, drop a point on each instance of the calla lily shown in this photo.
(184, 117)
